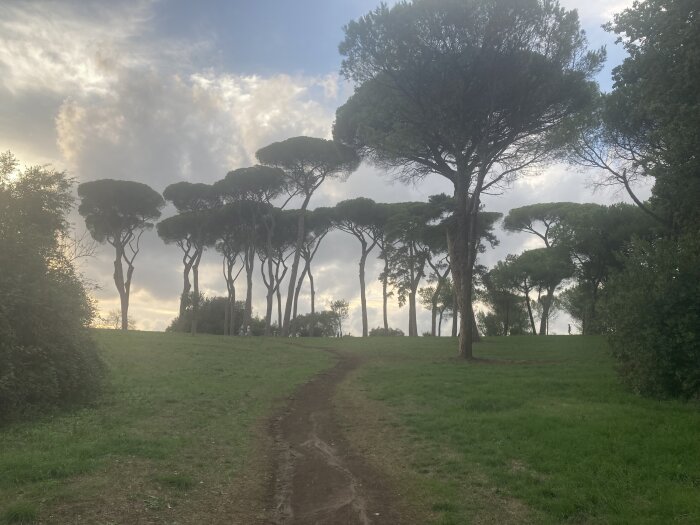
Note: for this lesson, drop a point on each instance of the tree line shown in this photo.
(477, 92)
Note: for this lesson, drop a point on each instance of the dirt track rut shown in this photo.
(319, 480)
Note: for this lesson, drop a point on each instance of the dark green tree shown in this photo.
(363, 219)
(317, 225)
(341, 311)
(118, 212)
(470, 90)
(252, 191)
(507, 313)
(306, 162)
(654, 313)
(190, 232)
(47, 355)
(273, 253)
(596, 237)
(407, 229)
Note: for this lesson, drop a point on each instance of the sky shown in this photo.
(161, 91)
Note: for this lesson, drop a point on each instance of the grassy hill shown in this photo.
(539, 432)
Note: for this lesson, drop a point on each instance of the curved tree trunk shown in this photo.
(313, 291)
(363, 297)
(300, 282)
(118, 277)
(186, 287)
(249, 261)
(195, 299)
(301, 225)
(384, 295)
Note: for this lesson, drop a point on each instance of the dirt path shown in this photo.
(319, 480)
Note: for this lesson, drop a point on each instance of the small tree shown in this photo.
(118, 212)
(307, 162)
(317, 224)
(363, 219)
(341, 311)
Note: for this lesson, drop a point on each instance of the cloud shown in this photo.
(68, 47)
(162, 128)
(95, 89)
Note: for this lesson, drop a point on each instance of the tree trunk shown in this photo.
(186, 287)
(227, 316)
(412, 324)
(384, 295)
(433, 319)
(313, 291)
(463, 270)
(363, 297)
(249, 262)
(195, 299)
(232, 314)
(270, 297)
(279, 307)
(118, 277)
(546, 304)
(300, 282)
(295, 265)
(529, 313)
(439, 332)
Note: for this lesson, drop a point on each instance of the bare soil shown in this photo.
(320, 479)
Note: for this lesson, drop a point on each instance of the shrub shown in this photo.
(319, 324)
(386, 332)
(47, 355)
(655, 316)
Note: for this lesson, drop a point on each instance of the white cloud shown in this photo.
(120, 101)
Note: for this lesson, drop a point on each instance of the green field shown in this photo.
(540, 433)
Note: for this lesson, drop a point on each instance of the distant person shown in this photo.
(249, 331)
(569, 329)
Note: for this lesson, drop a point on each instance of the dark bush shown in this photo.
(319, 324)
(654, 309)
(47, 355)
(385, 332)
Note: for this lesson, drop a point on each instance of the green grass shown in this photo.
(20, 512)
(546, 435)
(554, 430)
(177, 424)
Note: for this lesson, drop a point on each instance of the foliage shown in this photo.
(47, 355)
(655, 316)
(507, 313)
(385, 332)
(210, 318)
(472, 90)
(318, 324)
(654, 109)
(116, 208)
(341, 310)
(118, 212)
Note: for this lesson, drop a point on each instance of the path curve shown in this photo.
(318, 479)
